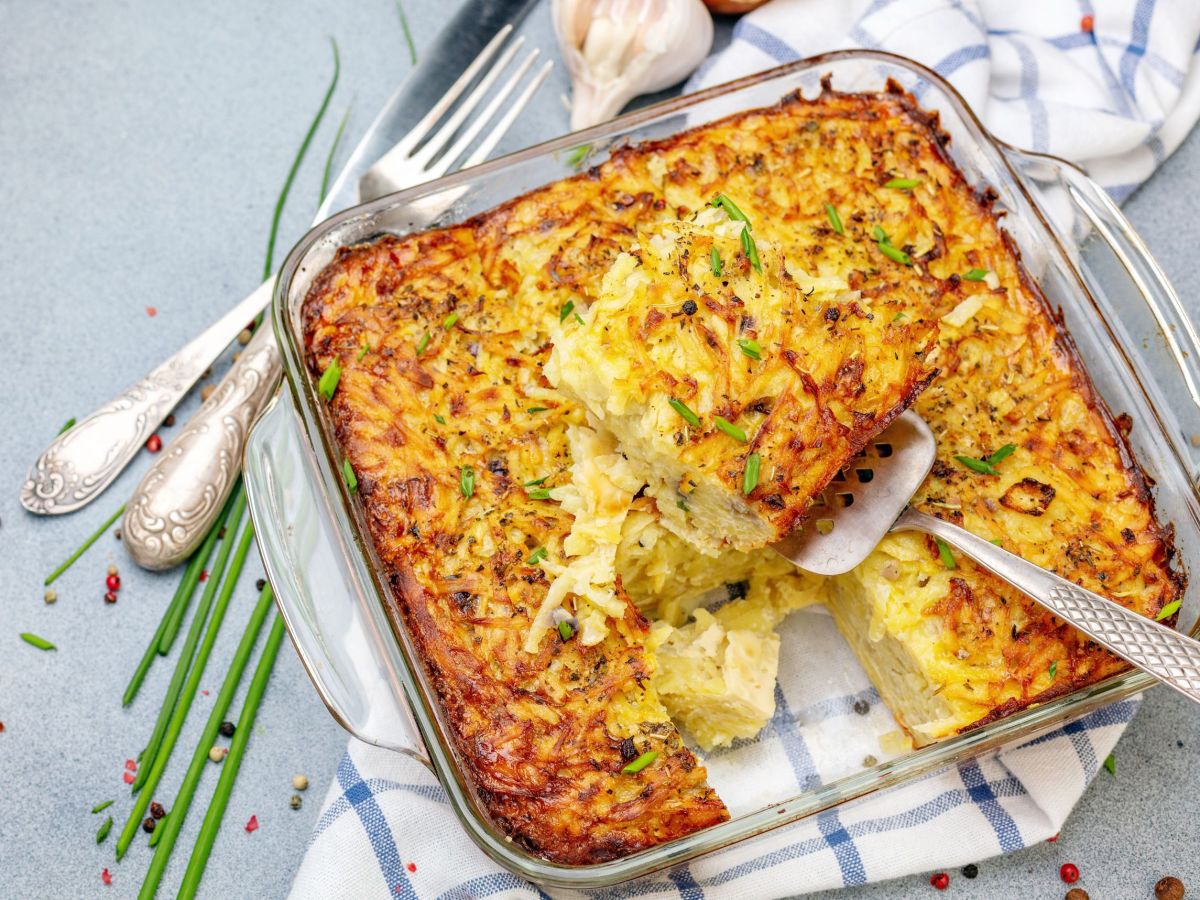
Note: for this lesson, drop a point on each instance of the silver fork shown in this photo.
(188, 483)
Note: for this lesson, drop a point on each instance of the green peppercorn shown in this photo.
(295, 802)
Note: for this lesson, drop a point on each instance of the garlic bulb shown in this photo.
(618, 49)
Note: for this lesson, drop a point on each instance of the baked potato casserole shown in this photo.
(552, 526)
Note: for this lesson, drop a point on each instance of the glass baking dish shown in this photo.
(1129, 326)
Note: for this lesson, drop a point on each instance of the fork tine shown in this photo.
(490, 142)
(445, 134)
(423, 127)
(477, 124)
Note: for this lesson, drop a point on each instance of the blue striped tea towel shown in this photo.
(1115, 88)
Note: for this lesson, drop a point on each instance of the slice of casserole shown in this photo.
(737, 383)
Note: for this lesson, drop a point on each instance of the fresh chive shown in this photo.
(730, 429)
(328, 384)
(723, 202)
(423, 343)
(466, 480)
(945, 554)
(327, 172)
(982, 466)
(900, 315)
(1169, 610)
(895, 253)
(1054, 668)
(566, 310)
(105, 828)
(565, 631)
(682, 408)
(296, 160)
(880, 235)
(903, 184)
(539, 494)
(154, 764)
(536, 481)
(229, 768)
(1110, 764)
(349, 477)
(976, 275)
(640, 763)
(437, 418)
(69, 561)
(449, 321)
(750, 347)
(1002, 454)
(40, 642)
(751, 249)
(168, 829)
(717, 266)
(67, 425)
(101, 807)
(536, 555)
(750, 475)
(366, 348)
(999, 542)
(834, 219)
(408, 38)
(578, 155)
(537, 409)
(191, 575)
(682, 504)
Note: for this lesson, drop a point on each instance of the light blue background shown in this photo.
(141, 149)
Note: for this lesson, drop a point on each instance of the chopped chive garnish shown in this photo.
(895, 254)
(880, 235)
(999, 542)
(466, 480)
(567, 309)
(40, 642)
(538, 554)
(101, 807)
(640, 763)
(834, 219)
(1169, 610)
(751, 249)
(730, 429)
(682, 504)
(1002, 454)
(423, 343)
(976, 275)
(1110, 764)
(578, 155)
(715, 258)
(1054, 668)
(366, 348)
(750, 475)
(945, 554)
(903, 184)
(750, 347)
(70, 423)
(900, 315)
(682, 408)
(537, 409)
(536, 481)
(105, 828)
(450, 321)
(437, 418)
(349, 477)
(329, 380)
(539, 494)
(565, 631)
(722, 202)
(982, 466)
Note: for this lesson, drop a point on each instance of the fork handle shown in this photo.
(1169, 656)
(83, 460)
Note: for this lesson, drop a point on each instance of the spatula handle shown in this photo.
(1169, 656)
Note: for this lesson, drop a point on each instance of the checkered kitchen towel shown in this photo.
(1117, 96)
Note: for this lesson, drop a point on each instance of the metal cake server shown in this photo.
(82, 461)
(871, 499)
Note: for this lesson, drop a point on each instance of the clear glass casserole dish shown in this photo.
(1129, 327)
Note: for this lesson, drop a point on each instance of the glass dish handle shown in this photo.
(1126, 282)
(341, 635)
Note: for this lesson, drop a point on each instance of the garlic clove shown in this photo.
(616, 50)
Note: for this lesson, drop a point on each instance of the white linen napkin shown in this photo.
(1116, 89)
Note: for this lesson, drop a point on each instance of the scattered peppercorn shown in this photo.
(1169, 888)
(941, 881)
(221, 534)
(689, 307)
(1069, 873)
(1087, 23)
(869, 760)
(156, 810)
(51, 595)
(1077, 894)
(154, 443)
(300, 782)
(148, 824)
(243, 337)
(227, 729)
(260, 584)
(112, 570)
(169, 420)
(110, 597)
(206, 392)
(862, 707)
(113, 581)
(117, 534)
(970, 870)
(217, 754)
(295, 802)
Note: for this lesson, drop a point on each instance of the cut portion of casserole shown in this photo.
(464, 460)
(737, 383)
